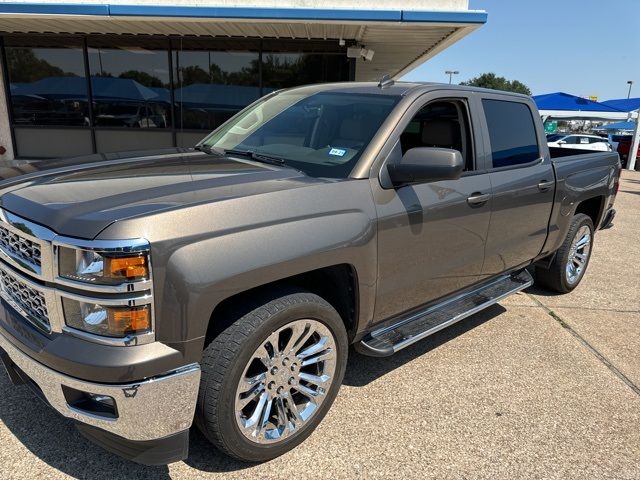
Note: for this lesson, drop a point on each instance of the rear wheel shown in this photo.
(572, 258)
(269, 378)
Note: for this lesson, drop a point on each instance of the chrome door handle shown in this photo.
(545, 185)
(478, 198)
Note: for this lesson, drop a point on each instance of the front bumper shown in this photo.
(151, 409)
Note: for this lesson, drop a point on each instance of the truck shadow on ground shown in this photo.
(542, 292)
(55, 441)
(362, 369)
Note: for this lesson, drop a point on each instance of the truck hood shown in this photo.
(80, 197)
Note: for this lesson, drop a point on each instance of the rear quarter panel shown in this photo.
(580, 177)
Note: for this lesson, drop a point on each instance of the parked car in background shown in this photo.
(579, 142)
(624, 146)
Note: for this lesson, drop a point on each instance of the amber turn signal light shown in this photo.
(127, 267)
(129, 320)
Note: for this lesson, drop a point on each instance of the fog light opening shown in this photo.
(91, 403)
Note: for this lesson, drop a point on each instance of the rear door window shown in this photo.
(512, 133)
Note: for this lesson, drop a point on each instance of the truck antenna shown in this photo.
(385, 81)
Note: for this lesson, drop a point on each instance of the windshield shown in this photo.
(323, 134)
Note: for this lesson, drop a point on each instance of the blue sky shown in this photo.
(583, 47)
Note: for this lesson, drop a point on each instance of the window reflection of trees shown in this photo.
(44, 105)
(131, 87)
(127, 97)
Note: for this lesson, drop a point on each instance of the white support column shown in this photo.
(5, 129)
(635, 141)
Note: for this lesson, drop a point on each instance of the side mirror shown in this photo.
(561, 142)
(426, 164)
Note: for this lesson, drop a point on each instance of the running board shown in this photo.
(388, 340)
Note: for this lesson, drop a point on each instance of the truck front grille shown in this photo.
(20, 247)
(29, 300)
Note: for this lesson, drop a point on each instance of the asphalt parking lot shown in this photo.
(540, 386)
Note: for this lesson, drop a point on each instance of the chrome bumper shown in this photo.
(147, 410)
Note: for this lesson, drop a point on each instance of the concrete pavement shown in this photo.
(540, 386)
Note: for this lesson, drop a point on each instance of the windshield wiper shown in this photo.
(258, 157)
(207, 149)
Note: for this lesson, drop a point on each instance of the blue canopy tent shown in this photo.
(624, 104)
(571, 107)
(618, 126)
(632, 107)
(202, 95)
(76, 87)
(564, 105)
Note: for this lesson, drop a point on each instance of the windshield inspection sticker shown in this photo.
(338, 152)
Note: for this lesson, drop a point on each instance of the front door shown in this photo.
(431, 237)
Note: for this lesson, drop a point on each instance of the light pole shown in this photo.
(451, 73)
(630, 82)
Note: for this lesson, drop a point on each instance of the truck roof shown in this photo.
(393, 88)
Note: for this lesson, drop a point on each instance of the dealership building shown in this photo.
(99, 76)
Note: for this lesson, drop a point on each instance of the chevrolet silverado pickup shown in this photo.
(222, 285)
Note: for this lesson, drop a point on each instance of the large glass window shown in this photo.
(130, 84)
(512, 132)
(284, 70)
(212, 86)
(47, 83)
(181, 88)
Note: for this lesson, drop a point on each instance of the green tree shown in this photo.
(143, 78)
(491, 80)
(193, 74)
(25, 67)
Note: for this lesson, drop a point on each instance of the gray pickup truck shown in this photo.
(223, 285)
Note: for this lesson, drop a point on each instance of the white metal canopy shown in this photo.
(400, 39)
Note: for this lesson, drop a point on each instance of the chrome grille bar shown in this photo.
(26, 246)
(28, 301)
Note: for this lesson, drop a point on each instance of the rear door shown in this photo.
(522, 182)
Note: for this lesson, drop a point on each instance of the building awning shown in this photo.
(401, 39)
(564, 105)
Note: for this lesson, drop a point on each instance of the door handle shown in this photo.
(478, 198)
(545, 185)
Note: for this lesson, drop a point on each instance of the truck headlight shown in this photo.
(107, 321)
(101, 267)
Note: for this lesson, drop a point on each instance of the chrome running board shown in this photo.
(387, 340)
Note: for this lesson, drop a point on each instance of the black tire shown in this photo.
(555, 277)
(226, 357)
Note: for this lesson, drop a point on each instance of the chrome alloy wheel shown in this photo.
(285, 381)
(578, 255)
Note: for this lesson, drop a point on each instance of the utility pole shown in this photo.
(451, 73)
(630, 82)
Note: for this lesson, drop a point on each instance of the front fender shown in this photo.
(211, 252)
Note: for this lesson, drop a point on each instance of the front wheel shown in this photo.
(269, 378)
(572, 258)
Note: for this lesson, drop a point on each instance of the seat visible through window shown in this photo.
(441, 124)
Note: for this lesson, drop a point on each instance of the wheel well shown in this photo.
(592, 207)
(336, 284)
